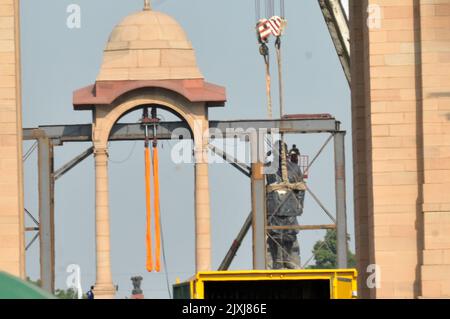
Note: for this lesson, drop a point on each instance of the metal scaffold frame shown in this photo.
(48, 137)
(259, 223)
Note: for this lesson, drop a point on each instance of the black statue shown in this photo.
(137, 280)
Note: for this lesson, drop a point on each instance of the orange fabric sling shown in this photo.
(156, 209)
(149, 263)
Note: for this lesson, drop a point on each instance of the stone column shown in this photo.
(202, 210)
(12, 246)
(401, 166)
(434, 141)
(360, 130)
(104, 288)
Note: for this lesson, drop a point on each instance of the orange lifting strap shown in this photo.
(156, 205)
(156, 208)
(149, 264)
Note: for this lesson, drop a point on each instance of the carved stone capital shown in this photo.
(99, 151)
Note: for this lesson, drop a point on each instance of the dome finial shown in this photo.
(147, 5)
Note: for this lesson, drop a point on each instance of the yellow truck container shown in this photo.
(270, 284)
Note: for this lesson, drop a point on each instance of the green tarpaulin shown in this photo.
(14, 288)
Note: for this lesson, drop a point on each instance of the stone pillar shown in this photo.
(394, 172)
(104, 288)
(202, 207)
(358, 37)
(435, 142)
(12, 252)
(402, 164)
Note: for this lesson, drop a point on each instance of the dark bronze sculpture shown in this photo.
(137, 280)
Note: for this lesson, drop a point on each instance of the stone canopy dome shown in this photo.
(148, 49)
(148, 45)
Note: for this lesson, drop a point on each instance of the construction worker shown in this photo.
(294, 154)
(283, 208)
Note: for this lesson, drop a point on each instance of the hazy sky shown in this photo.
(58, 60)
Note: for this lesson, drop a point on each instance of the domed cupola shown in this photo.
(148, 49)
(148, 45)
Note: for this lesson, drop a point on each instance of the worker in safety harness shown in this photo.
(283, 208)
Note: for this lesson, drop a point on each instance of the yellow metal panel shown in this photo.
(333, 290)
(342, 281)
(344, 288)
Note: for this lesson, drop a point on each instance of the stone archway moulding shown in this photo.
(195, 114)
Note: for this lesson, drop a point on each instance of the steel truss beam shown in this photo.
(74, 162)
(337, 23)
(49, 136)
(130, 132)
(241, 167)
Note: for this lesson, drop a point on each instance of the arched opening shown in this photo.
(106, 117)
(126, 172)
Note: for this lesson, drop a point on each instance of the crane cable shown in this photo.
(264, 51)
(284, 171)
(262, 33)
(275, 26)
